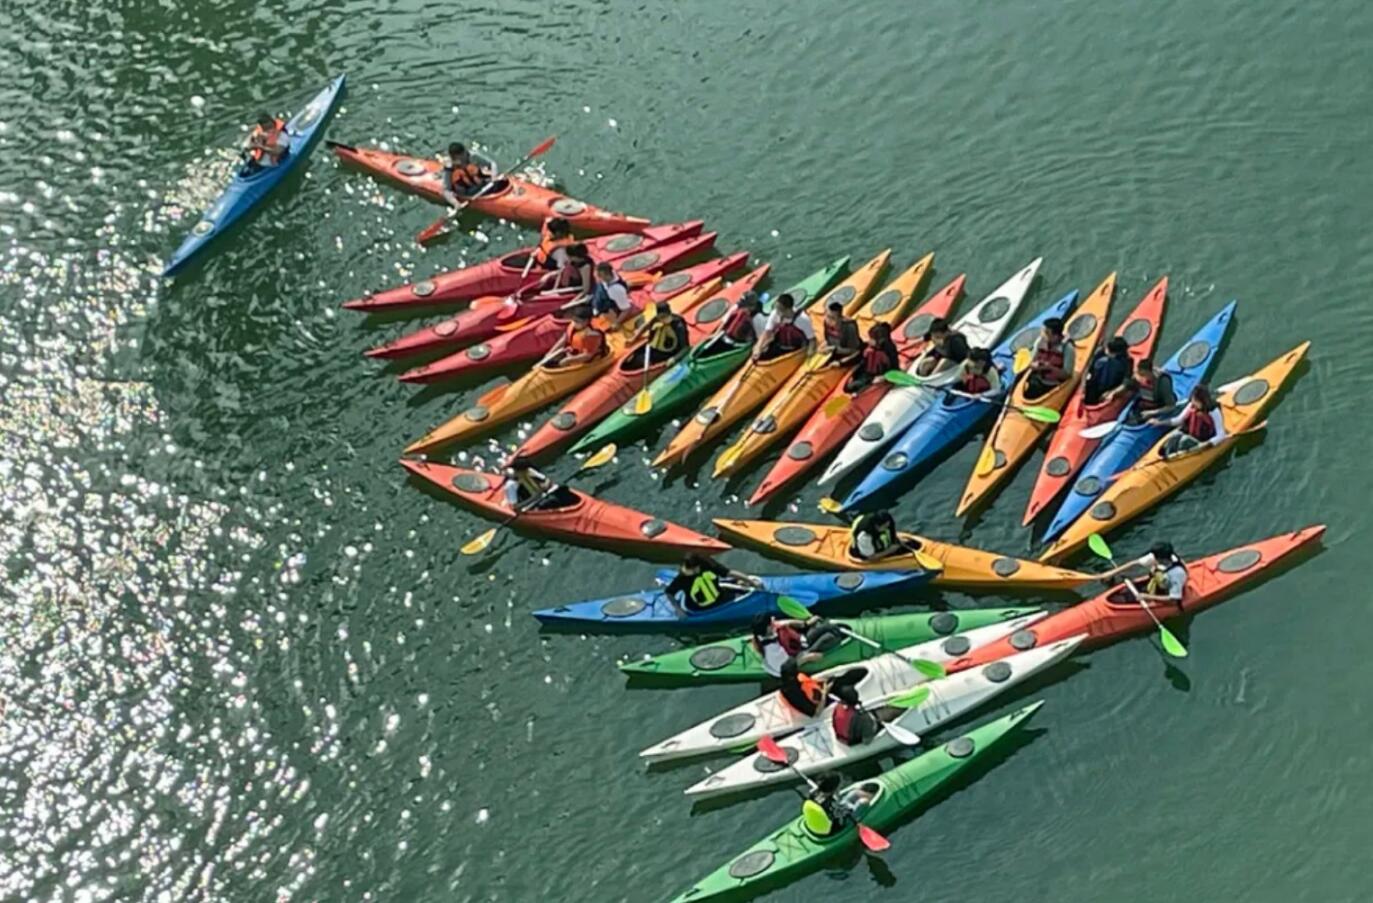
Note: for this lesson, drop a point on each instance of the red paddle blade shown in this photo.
(432, 230)
(771, 751)
(544, 146)
(875, 842)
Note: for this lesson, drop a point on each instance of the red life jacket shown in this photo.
(739, 326)
(1148, 391)
(845, 721)
(269, 136)
(1198, 424)
(877, 361)
(836, 335)
(975, 383)
(789, 336)
(1052, 358)
(788, 638)
(570, 275)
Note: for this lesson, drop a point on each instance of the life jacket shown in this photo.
(667, 337)
(464, 176)
(601, 302)
(788, 335)
(1109, 371)
(1148, 391)
(789, 638)
(570, 275)
(586, 341)
(1052, 358)
(974, 383)
(1198, 424)
(269, 136)
(883, 537)
(738, 326)
(843, 335)
(705, 589)
(1158, 577)
(877, 360)
(809, 688)
(547, 245)
(845, 719)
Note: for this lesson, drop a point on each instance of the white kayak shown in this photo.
(982, 326)
(817, 749)
(881, 677)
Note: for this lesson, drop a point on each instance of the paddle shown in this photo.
(434, 229)
(1031, 412)
(793, 608)
(1100, 431)
(643, 402)
(482, 542)
(1171, 644)
(768, 749)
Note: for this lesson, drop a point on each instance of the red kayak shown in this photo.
(1114, 615)
(530, 342)
(505, 275)
(615, 389)
(1068, 451)
(490, 317)
(588, 521)
(827, 427)
(515, 199)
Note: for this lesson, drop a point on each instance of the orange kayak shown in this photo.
(1068, 451)
(1153, 478)
(588, 521)
(758, 380)
(515, 199)
(1014, 435)
(704, 308)
(809, 386)
(834, 421)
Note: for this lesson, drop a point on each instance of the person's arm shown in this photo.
(994, 382)
(678, 586)
(1218, 421)
(1172, 421)
(764, 337)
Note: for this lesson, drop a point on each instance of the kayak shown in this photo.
(818, 378)
(624, 381)
(817, 545)
(1067, 449)
(950, 419)
(737, 658)
(244, 192)
(794, 850)
(833, 421)
(1154, 478)
(761, 379)
(1188, 367)
(651, 610)
(505, 275)
(1014, 435)
(514, 199)
(770, 715)
(899, 408)
(816, 749)
(703, 369)
(1209, 581)
(527, 343)
(589, 521)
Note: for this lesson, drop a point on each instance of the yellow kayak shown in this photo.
(809, 386)
(1014, 435)
(759, 380)
(1153, 478)
(827, 547)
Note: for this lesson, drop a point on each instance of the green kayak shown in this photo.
(794, 850)
(737, 659)
(698, 374)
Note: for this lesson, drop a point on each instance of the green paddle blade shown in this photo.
(1099, 547)
(1042, 414)
(900, 378)
(1171, 644)
(912, 699)
(792, 608)
(928, 669)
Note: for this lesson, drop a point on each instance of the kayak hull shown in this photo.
(818, 545)
(590, 521)
(243, 193)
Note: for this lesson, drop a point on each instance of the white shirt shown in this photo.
(801, 322)
(1177, 576)
(1217, 420)
(620, 295)
(773, 658)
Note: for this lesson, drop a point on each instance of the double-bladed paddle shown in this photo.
(1171, 644)
(438, 226)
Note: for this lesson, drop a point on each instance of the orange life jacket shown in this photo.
(1198, 424)
(584, 341)
(465, 176)
(547, 245)
(269, 138)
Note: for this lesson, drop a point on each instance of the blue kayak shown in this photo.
(245, 191)
(954, 418)
(651, 610)
(1128, 444)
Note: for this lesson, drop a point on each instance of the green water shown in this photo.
(241, 659)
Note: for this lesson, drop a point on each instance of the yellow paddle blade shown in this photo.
(815, 818)
(479, 545)
(1022, 360)
(602, 457)
(836, 406)
(643, 402)
(650, 310)
(986, 462)
(727, 459)
(830, 506)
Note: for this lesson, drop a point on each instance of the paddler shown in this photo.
(609, 297)
(555, 237)
(778, 639)
(873, 537)
(786, 330)
(1052, 359)
(1199, 424)
(462, 178)
(701, 582)
(740, 327)
(666, 335)
(526, 489)
(977, 377)
(802, 692)
(942, 344)
(581, 342)
(1153, 390)
(842, 342)
(853, 724)
(829, 809)
(1108, 374)
(878, 356)
(268, 144)
(576, 273)
(1165, 580)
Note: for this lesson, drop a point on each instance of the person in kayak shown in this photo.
(878, 356)
(666, 335)
(581, 342)
(802, 692)
(778, 639)
(829, 809)
(526, 489)
(575, 273)
(942, 345)
(1052, 359)
(554, 239)
(873, 537)
(842, 341)
(786, 330)
(977, 377)
(609, 295)
(740, 327)
(1198, 425)
(1108, 374)
(853, 724)
(1153, 390)
(268, 144)
(701, 582)
(462, 177)
(1165, 580)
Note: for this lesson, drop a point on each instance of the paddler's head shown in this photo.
(578, 254)
(751, 302)
(1117, 347)
(265, 121)
(1201, 398)
(845, 693)
(786, 304)
(938, 331)
(1145, 365)
(1052, 330)
(581, 318)
(829, 783)
(761, 627)
(605, 272)
(879, 333)
(458, 153)
(559, 227)
(981, 359)
(693, 563)
(1163, 553)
